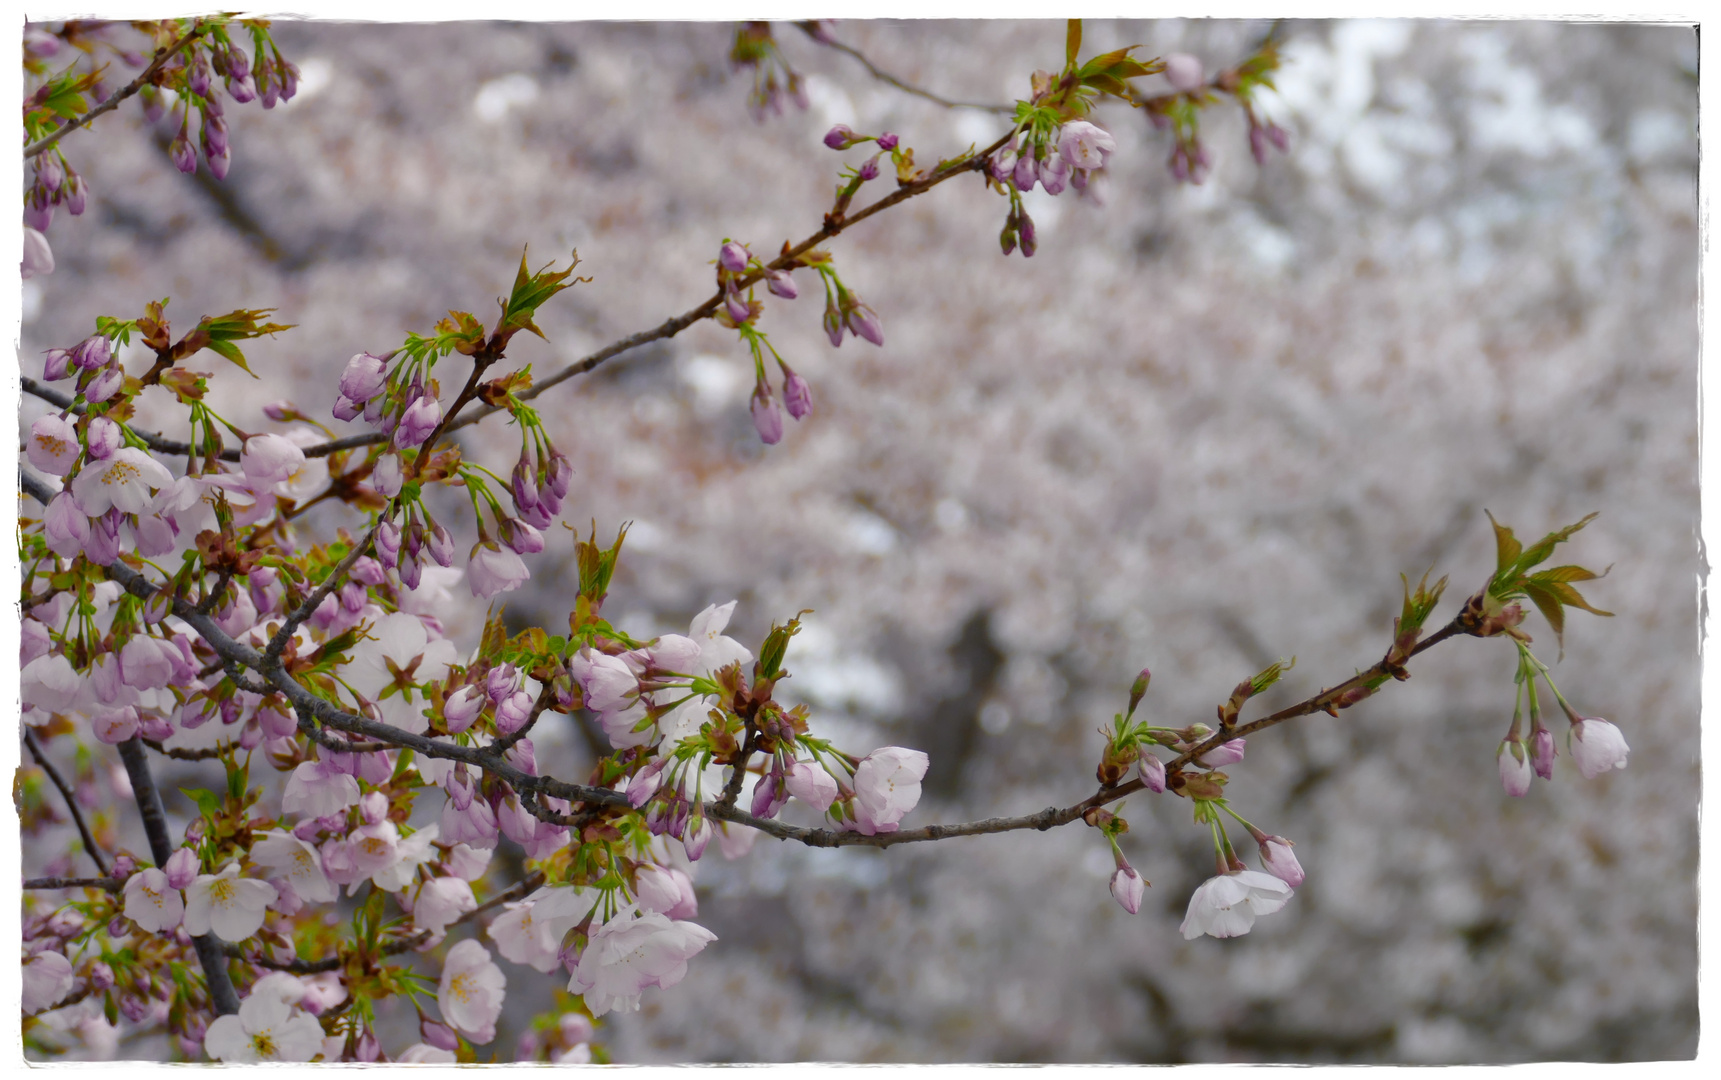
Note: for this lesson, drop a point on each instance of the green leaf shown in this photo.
(1546, 545)
(208, 803)
(1506, 546)
(1072, 42)
(231, 352)
(530, 292)
(1565, 573)
(1549, 605)
(1106, 83)
(1272, 674)
(1569, 597)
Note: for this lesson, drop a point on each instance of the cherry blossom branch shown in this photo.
(156, 442)
(59, 781)
(221, 994)
(162, 56)
(398, 945)
(834, 225)
(333, 716)
(823, 38)
(110, 884)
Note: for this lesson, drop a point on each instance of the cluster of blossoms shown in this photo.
(1191, 91)
(1597, 746)
(183, 83)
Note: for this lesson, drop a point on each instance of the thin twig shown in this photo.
(208, 946)
(110, 884)
(162, 56)
(59, 781)
(907, 88)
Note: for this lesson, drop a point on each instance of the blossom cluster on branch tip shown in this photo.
(189, 55)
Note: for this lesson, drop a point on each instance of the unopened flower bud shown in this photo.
(780, 284)
(1183, 72)
(733, 257)
(181, 151)
(438, 1035)
(797, 395)
(1153, 773)
(1138, 689)
(841, 137)
(182, 867)
(767, 416)
(887, 141)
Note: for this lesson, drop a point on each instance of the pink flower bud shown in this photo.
(523, 538)
(737, 307)
(373, 807)
(461, 708)
(92, 353)
(387, 475)
(1278, 859)
(1127, 886)
(767, 416)
(105, 385)
(417, 423)
(863, 323)
(388, 544)
(58, 361)
(797, 395)
(438, 1035)
(1597, 746)
(733, 257)
(780, 284)
(1543, 752)
(1183, 72)
(887, 141)
(182, 868)
(364, 376)
(1515, 771)
(1229, 753)
(841, 137)
(1152, 772)
(513, 712)
(180, 150)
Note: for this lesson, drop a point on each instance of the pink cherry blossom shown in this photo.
(151, 903)
(470, 994)
(495, 570)
(52, 445)
(269, 459)
(1227, 753)
(520, 938)
(38, 256)
(47, 981)
(439, 902)
(631, 953)
(318, 789)
(1085, 146)
(887, 787)
(127, 480)
(409, 854)
(666, 891)
(283, 855)
(228, 904)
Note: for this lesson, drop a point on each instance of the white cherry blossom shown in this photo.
(228, 904)
(470, 994)
(151, 902)
(268, 1026)
(1227, 905)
